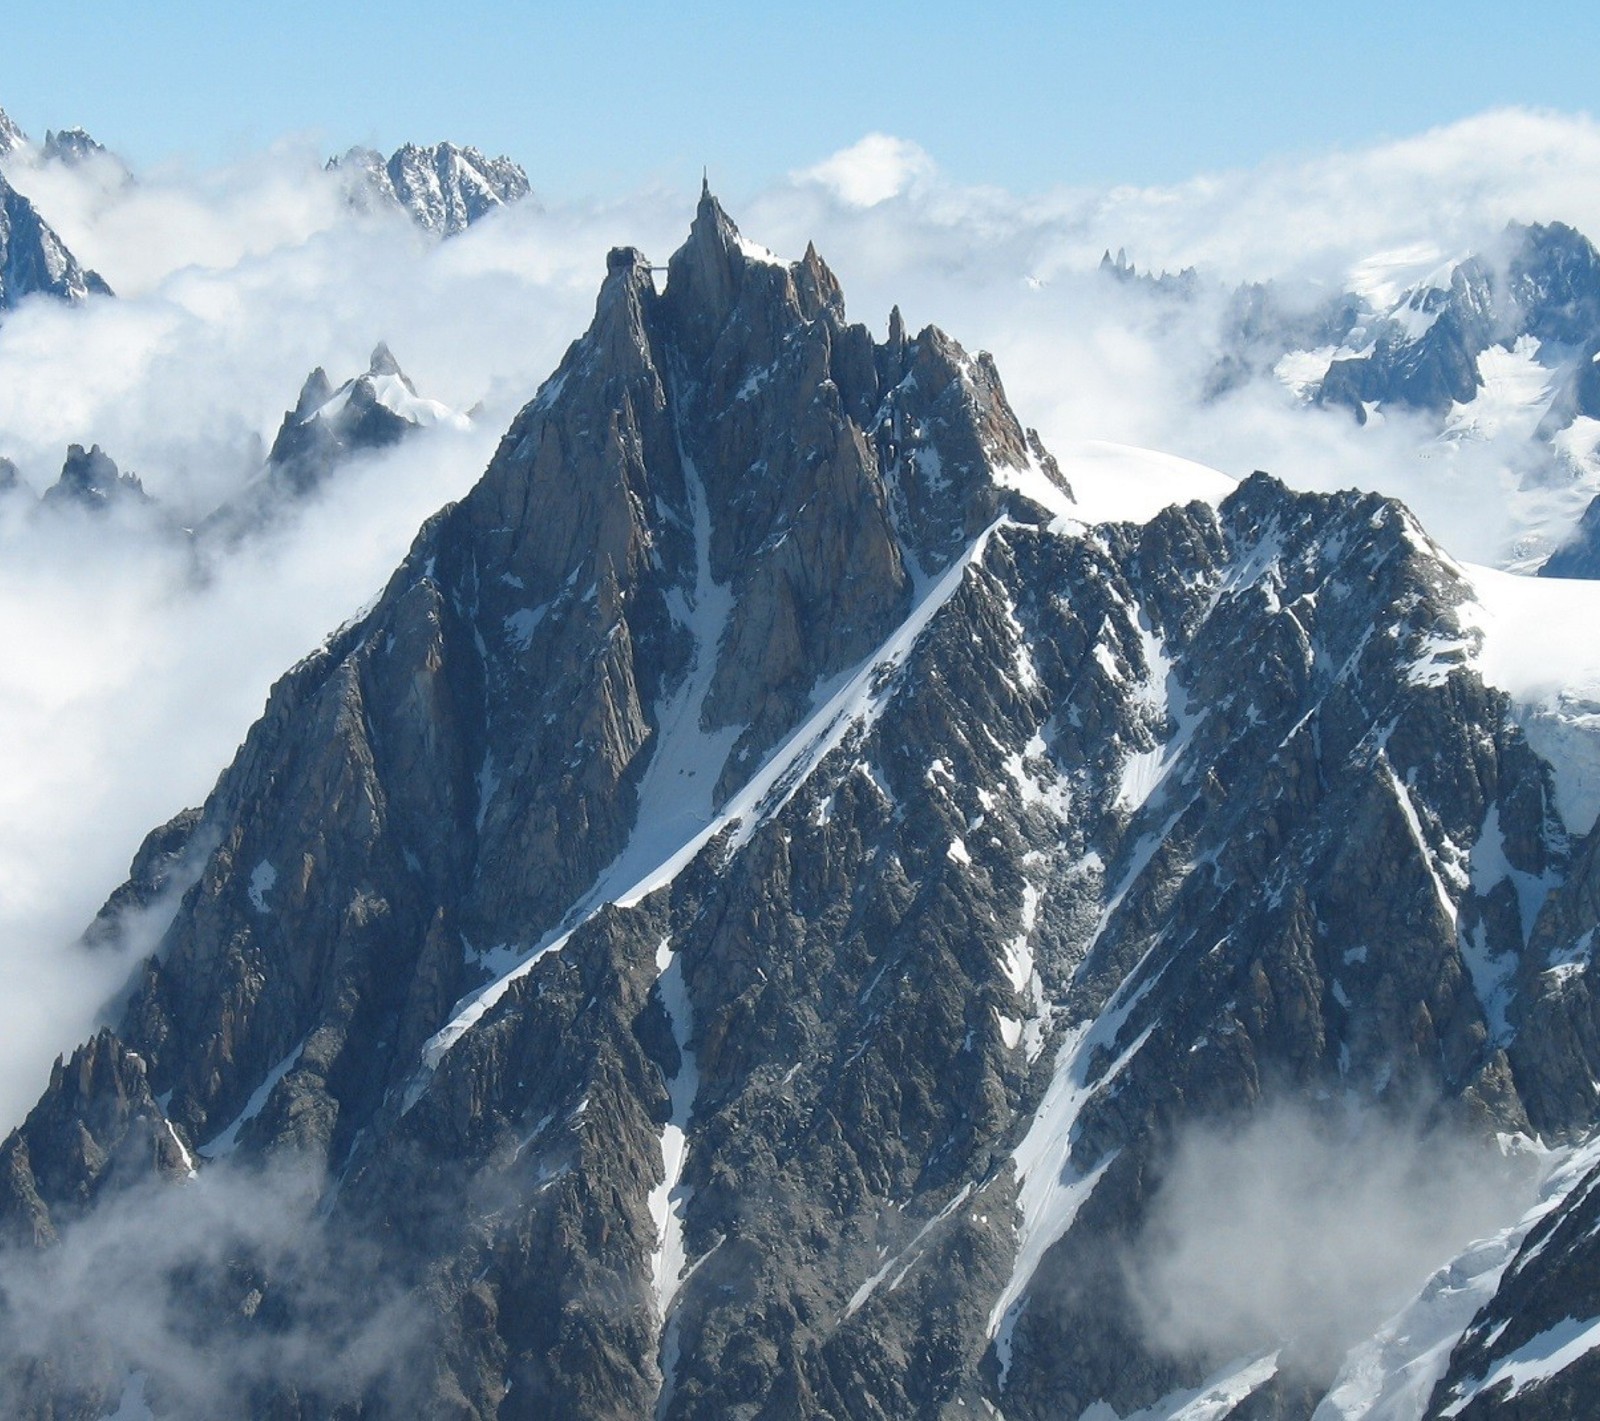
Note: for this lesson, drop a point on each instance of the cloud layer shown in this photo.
(197, 1294)
(1305, 1232)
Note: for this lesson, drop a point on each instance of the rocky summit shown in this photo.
(327, 427)
(738, 927)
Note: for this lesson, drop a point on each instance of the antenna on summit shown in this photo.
(705, 183)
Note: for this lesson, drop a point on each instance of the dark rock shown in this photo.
(91, 480)
(1579, 555)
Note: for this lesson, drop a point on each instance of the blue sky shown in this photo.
(598, 98)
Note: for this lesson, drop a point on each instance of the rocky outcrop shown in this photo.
(328, 424)
(97, 1128)
(1430, 371)
(327, 428)
(91, 480)
(443, 188)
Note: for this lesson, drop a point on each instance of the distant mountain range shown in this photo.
(443, 189)
(1502, 345)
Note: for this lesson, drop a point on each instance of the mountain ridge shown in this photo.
(443, 188)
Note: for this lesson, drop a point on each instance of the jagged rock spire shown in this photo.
(91, 479)
(383, 361)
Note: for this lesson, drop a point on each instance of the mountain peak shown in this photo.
(443, 188)
(72, 146)
(369, 411)
(91, 479)
(11, 137)
(383, 361)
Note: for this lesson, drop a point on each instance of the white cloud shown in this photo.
(871, 171)
(1305, 1232)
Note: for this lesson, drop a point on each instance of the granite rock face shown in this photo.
(734, 928)
(442, 188)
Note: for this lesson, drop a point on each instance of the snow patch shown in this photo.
(520, 626)
(132, 1406)
(263, 878)
(1212, 1400)
(1114, 483)
(907, 1257)
(1303, 370)
(1050, 794)
(1163, 701)
(392, 392)
(224, 1144)
(670, 1199)
(1516, 392)
(1051, 1189)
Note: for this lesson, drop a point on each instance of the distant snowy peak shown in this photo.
(443, 188)
(370, 411)
(34, 260)
(1426, 333)
(11, 137)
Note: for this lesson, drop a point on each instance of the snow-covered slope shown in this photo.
(1538, 646)
(1115, 483)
